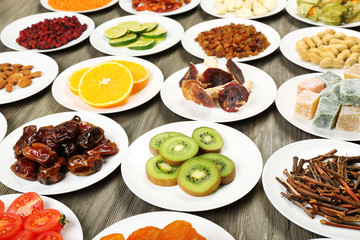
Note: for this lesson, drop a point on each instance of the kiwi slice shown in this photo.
(209, 139)
(161, 173)
(176, 150)
(156, 140)
(198, 176)
(225, 164)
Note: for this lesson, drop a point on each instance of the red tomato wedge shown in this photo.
(24, 235)
(10, 225)
(2, 207)
(45, 220)
(26, 204)
(50, 235)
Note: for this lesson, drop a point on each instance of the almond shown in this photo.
(14, 78)
(17, 65)
(5, 68)
(2, 83)
(24, 82)
(36, 74)
(8, 87)
(27, 67)
(25, 72)
(3, 75)
(15, 70)
(8, 73)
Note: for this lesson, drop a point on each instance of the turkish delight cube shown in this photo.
(333, 91)
(350, 91)
(353, 71)
(306, 103)
(313, 84)
(329, 78)
(349, 118)
(326, 112)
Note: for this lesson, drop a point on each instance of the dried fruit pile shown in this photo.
(77, 5)
(16, 74)
(51, 33)
(47, 153)
(158, 5)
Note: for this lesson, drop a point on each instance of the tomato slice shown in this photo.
(26, 204)
(10, 225)
(45, 220)
(49, 235)
(2, 207)
(24, 235)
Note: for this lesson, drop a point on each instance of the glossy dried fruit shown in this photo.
(146, 233)
(40, 153)
(105, 147)
(25, 169)
(27, 138)
(179, 230)
(54, 173)
(84, 165)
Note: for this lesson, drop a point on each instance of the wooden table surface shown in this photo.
(110, 200)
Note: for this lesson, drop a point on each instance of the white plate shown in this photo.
(65, 97)
(262, 95)
(113, 131)
(282, 159)
(11, 32)
(237, 146)
(174, 33)
(71, 230)
(209, 7)
(41, 62)
(291, 7)
(206, 228)
(45, 4)
(3, 126)
(126, 5)
(188, 40)
(288, 46)
(285, 102)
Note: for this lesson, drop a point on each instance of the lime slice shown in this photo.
(142, 44)
(115, 32)
(129, 24)
(150, 26)
(137, 29)
(123, 41)
(160, 32)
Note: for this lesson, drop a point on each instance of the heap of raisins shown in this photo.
(51, 33)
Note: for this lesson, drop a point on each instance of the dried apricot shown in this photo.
(180, 229)
(146, 233)
(113, 236)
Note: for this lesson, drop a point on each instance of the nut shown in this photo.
(2, 83)
(27, 67)
(9, 87)
(36, 74)
(24, 82)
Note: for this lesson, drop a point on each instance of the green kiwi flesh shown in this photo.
(225, 164)
(176, 150)
(208, 139)
(161, 173)
(198, 176)
(156, 140)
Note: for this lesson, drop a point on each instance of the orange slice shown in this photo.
(140, 74)
(74, 79)
(106, 85)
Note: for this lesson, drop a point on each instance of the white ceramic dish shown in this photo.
(41, 62)
(291, 7)
(126, 5)
(174, 33)
(192, 47)
(209, 8)
(45, 4)
(113, 131)
(285, 102)
(288, 47)
(71, 230)
(3, 126)
(11, 32)
(206, 228)
(65, 97)
(262, 95)
(237, 146)
(282, 159)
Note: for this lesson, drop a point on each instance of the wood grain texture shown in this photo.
(108, 201)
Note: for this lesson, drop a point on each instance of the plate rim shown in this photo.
(120, 133)
(137, 53)
(48, 59)
(46, 5)
(279, 8)
(3, 122)
(274, 44)
(41, 16)
(241, 65)
(267, 185)
(58, 81)
(257, 172)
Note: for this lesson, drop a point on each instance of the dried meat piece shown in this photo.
(233, 96)
(213, 77)
(192, 73)
(235, 71)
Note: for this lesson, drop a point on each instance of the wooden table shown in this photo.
(109, 201)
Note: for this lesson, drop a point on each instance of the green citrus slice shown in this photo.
(123, 41)
(129, 24)
(160, 32)
(142, 44)
(115, 32)
(150, 26)
(137, 29)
